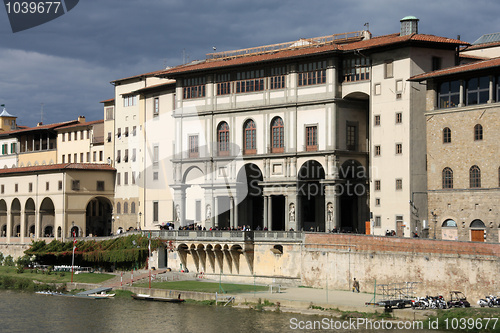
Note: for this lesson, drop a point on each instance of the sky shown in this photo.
(62, 69)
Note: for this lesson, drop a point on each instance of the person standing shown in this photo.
(355, 285)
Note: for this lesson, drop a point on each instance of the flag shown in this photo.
(74, 241)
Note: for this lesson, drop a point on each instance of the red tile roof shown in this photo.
(41, 127)
(372, 43)
(108, 100)
(481, 46)
(82, 124)
(139, 76)
(58, 167)
(475, 66)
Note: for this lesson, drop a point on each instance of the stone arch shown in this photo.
(211, 256)
(219, 256)
(311, 196)
(249, 196)
(352, 190)
(29, 216)
(47, 216)
(98, 216)
(236, 252)
(192, 208)
(449, 230)
(15, 216)
(477, 230)
(202, 257)
(194, 254)
(3, 218)
(183, 250)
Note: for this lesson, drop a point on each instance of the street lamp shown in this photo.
(139, 224)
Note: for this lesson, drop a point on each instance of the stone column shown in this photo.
(266, 202)
(23, 225)
(270, 213)
(9, 225)
(330, 207)
(216, 211)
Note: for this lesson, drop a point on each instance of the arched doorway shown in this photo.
(98, 217)
(449, 230)
(352, 190)
(194, 203)
(311, 196)
(477, 229)
(29, 213)
(250, 201)
(15, 216)
(47, 216)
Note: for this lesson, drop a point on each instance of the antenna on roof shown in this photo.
(41, 113)
(367, 25)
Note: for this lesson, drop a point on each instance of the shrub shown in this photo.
(8, 261)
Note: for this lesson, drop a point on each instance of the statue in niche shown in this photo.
(329, 214)
(208, 214)
(291, 212)
(177, 213)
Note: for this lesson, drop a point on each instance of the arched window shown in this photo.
(277, 135)
(449, 223)
(223, 139)
(125, 208)
(478, 132)
(132, 208)
(249, 140)
(475, 177)
(118, 208)
(447, 178)
(446, 135)
(477, 224)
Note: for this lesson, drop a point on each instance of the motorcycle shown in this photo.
(486, 301)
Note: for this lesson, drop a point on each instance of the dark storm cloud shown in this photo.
(67, 64)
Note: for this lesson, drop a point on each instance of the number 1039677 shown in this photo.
(470, 323)
(33, 7)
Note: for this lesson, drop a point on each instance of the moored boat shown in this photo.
(145, 297)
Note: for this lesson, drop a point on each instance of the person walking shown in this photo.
(355, 285)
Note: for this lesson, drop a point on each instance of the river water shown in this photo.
(29, 312)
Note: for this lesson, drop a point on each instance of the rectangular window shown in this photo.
(134, 130)
(399, 148)
(100, 185)
(193, 146)
(30, 187)
(109, 136)
(125, 157)
(81, 157)
(4, 149)
(155, 175)
(129, 100)
(399, 184)
(75, 185)
(478, 90)
(311, 138)
(47, 186)
(277, 79)
(64, 159)
(156, 107)
(69, 136)
(449, 94)
(133, 177)
(388, 69)
(94, 156)
(357, 69)
(63, 137)
(118, 179)
(223, 84)
(119, 133)
(352, 136)
(126, 132)
(194, 88)
(312, 73)
(75, 157)
(377, 185)
(101, 155)
(377, 120)
(59, 185)
(88, 157)
(69, 158)
(377, 201)
(399, 118)
(125, 178)
(13, 148)
(156, 154)
(2, 189)
(249, 81)
(118, 156)
(436, 63)
(155, 211)
(109, 113)
(82, 135)
(76, 136)
(16, 187)
(378, 221)
(377, 150)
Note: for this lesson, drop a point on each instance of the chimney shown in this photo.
(409, 25)
(81, 119)
(39, 124)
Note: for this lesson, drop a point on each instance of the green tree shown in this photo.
(8, 261)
